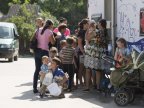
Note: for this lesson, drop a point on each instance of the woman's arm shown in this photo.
(115, 56)
(80, 45)
(52, 39)
(89, 35)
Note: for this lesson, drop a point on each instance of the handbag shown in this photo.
(34, 42)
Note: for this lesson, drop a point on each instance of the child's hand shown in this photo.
(121, 59)
(40, 73)
(66, 74)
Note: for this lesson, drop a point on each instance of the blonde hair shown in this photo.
(44, 57)
(62, 42)
(54, 50)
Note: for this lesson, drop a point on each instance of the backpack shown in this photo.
(34, 42)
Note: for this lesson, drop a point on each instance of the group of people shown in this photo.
(64, 54)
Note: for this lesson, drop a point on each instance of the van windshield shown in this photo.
(5, 32)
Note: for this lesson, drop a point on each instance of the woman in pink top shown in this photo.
(61, 21)
(44, 37)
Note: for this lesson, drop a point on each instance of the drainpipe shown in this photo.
(113, 25)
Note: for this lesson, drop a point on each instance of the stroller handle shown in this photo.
(110, 59)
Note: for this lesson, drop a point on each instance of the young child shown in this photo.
(53, 53)
(62, 28)
(76, 59)
(122, 53)
(67, 57)
(63, 43)
(44, 68)
(58, 75)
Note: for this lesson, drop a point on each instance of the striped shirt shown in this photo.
(67, 54)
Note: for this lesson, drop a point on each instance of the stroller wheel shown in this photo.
(121, 98)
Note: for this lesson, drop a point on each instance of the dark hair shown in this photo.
(103, 23)
(70, 40)
(122, 40)
(62, 26)
(56, 60)
(62, 19)
(54, 34)
(84, 21)
(47, 25)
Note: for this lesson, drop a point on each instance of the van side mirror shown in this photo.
(16, 36)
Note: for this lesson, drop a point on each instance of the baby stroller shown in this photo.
(129, 79)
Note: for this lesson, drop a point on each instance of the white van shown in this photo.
(9, 42)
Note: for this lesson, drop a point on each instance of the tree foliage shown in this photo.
(25, 22)
(73, 10)
(4, 6)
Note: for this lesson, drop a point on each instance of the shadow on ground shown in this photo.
(29, 95)
(105, 101)
(25, 84)
(93, 97)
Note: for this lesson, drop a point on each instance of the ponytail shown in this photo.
(47, 25)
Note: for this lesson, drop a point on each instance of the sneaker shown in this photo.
(99, 90)
(41, 95)
(112, 94)
(69, 90)
(61, 96)
(35, 91)
(94, 87)
(86, 90)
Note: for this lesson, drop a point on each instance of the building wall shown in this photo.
(108, 10)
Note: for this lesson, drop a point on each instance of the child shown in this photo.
(62, 28)
(44, 68)
(67, 56)
(53, 53)
(58, 74)
(63, 43)
(122, 53)
(76, 59)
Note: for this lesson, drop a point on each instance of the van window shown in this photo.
(5, 32)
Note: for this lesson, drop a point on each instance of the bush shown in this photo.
(25, 22)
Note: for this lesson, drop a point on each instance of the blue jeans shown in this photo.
(38, 62)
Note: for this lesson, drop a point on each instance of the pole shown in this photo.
(113, 26)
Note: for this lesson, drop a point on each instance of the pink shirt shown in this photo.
(43, 40)
(67, 32)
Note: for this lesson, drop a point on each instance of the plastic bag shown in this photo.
(48, 79)
(54, 89)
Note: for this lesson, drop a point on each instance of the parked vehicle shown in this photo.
(9, 42)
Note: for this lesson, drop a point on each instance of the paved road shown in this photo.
(16, 91)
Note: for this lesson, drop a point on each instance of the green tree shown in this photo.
(26, 25)
(4, 6)
(73, 10)
(25, 22)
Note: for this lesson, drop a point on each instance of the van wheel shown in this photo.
(11, 59)
(16, 58)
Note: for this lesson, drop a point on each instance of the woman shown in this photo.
(81, 42)
(44, 37)
(101, 48)
(89, 56)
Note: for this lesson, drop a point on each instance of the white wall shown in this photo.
(128, 21)
(95, 7)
